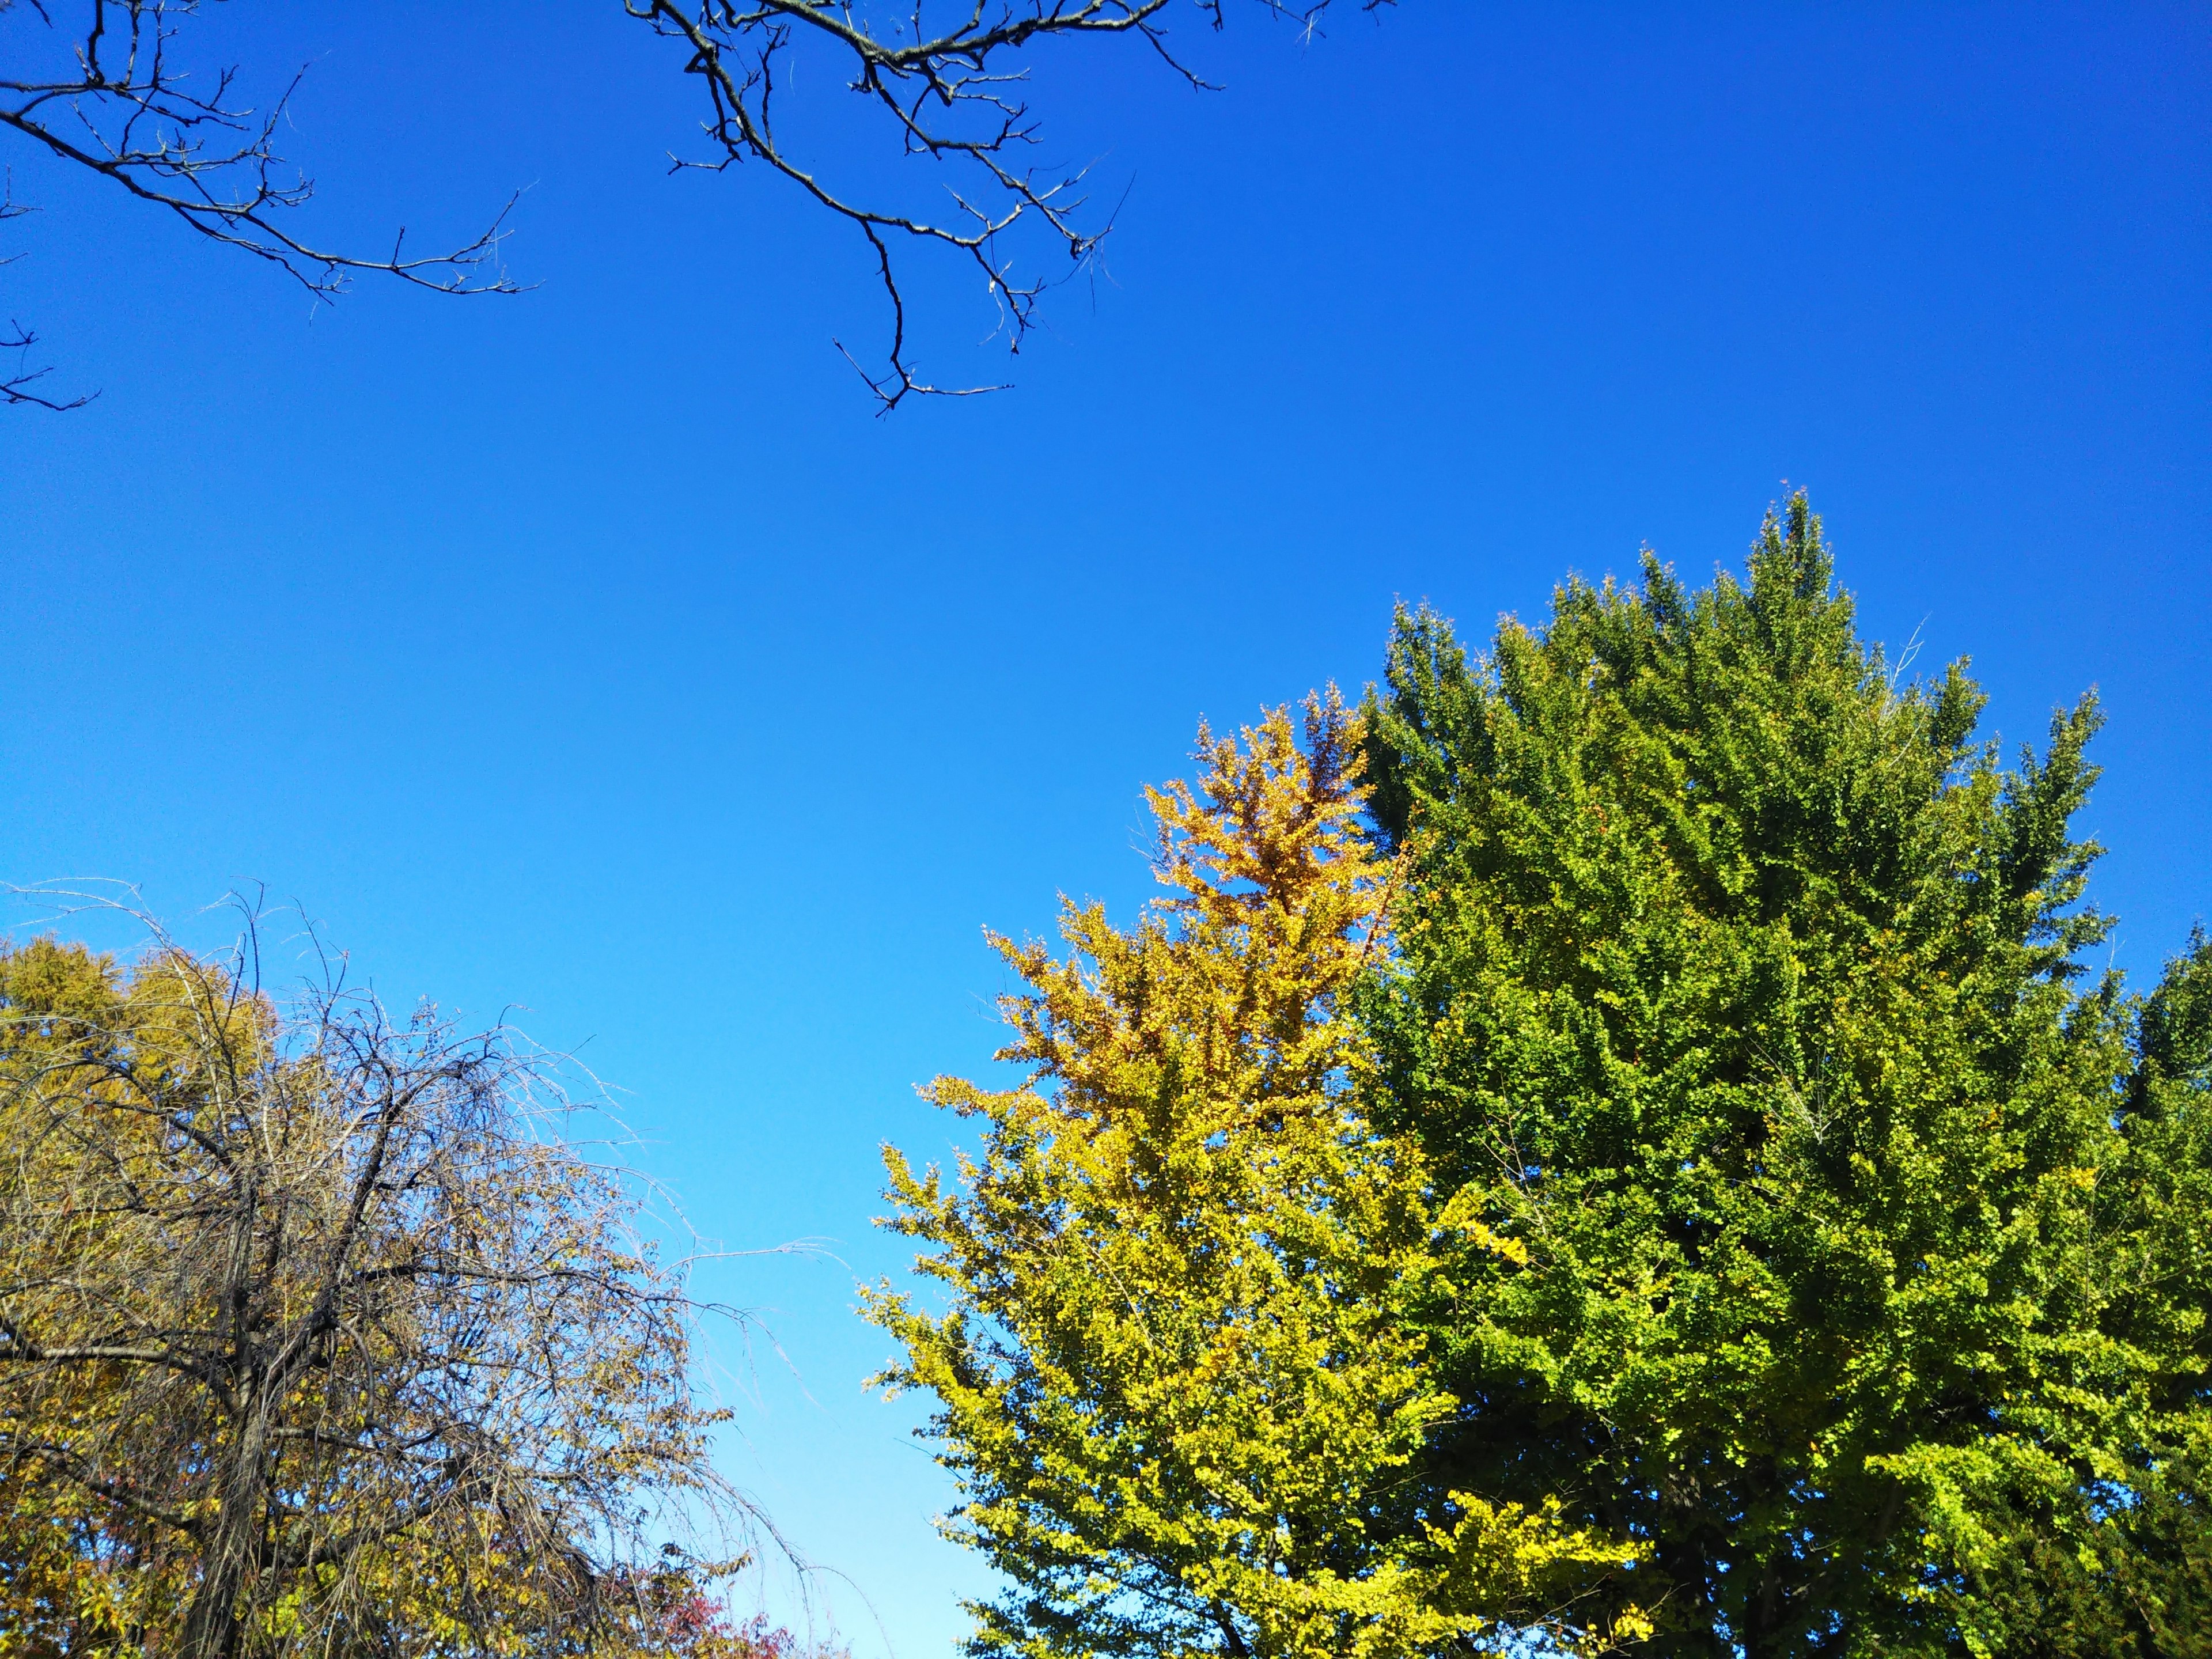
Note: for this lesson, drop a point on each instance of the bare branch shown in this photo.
(948, 91)
(15, 388)
(109, 96)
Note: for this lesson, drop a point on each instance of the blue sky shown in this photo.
(597, 651)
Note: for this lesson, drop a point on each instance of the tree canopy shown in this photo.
(1618, 1144)
(1180, 1377)
(1668, 1174)
(314, 1337)
(1855, 1265)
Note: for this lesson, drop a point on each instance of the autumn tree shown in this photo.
(1832, 1232)
(315, 1337)
(1178, 1376)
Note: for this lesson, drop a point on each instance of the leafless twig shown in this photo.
(947, 86)
(110, 95)
(15, 388)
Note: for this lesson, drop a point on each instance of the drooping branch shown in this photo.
(947, 91)
(943, 83)
(86, 1474)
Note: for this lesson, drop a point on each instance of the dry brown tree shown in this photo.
(942, 81)
(316, 1337)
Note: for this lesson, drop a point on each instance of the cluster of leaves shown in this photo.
(670, 1611)
(1663, 1174)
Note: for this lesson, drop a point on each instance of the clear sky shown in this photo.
(597, 651)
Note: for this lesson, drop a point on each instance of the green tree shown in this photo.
(1177, 1380)
(2139, 1581)
(1809, 1216)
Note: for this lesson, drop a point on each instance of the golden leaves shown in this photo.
(1176, 1373)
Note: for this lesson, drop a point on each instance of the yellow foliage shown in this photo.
(306, 1328)
(1175, 1378)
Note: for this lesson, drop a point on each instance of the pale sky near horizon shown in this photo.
(597, 651)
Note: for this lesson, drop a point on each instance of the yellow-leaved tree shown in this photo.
(317, 1338)
(1174, 1377)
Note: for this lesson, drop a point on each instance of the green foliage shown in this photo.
(1178, 1379)
(1805, 1215)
